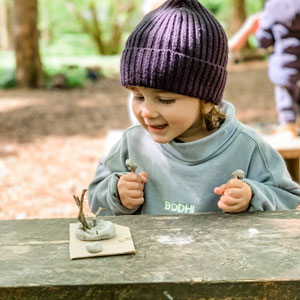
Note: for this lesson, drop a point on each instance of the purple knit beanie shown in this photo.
(180, 47)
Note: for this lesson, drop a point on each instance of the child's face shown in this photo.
(167, 115)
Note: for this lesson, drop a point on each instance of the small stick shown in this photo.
(81, 217)
(95, 217)
(238, 174)
(131, 166)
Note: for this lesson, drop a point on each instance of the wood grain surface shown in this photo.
(202, 256)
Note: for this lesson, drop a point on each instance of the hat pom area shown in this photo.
(179, 47)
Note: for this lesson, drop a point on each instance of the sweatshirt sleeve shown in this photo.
(264, 34)
(271, 184)
(102, 191)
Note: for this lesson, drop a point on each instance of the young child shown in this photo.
(188, 142)
(280, 27)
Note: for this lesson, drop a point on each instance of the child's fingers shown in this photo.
(238, 189)
(228, 208)
(131, 189)
(234, 183)
(133, 185)
(135, 194)
(229, 184)
(233, 192)
(230, 204)
(219, 190)
(144, 176)
(230, 201)
(138, 201)
(132, 203)
(132, 177)
(140, 177)
(236, 199)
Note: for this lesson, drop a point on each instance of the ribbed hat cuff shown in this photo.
(163, 69)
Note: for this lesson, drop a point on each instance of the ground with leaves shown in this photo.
(50, 141)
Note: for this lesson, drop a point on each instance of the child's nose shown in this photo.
(149, 111)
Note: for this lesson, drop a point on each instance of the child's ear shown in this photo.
(206, 107)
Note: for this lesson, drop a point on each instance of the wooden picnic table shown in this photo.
(290, 152)
(253, 255)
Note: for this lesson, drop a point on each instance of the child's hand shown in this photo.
(131, 189)
(236, 196)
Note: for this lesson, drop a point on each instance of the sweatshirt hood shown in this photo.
(211, 145)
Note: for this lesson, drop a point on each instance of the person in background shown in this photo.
(188, 146)
(278, 26)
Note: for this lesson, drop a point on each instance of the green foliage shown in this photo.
(7, 78)
(69, 44)
(253, 41)
(254, 6)
(215, 6)
(59, 24)
(63, 41)
(75, 76)
(7, 70)
(62, 34)
(56, 19)
(220, 8)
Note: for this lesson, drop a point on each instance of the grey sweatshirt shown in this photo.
(182, 176)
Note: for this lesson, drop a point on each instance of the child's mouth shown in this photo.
(157, 127)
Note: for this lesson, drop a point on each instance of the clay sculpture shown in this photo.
(93, 230)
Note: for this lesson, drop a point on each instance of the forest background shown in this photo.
(81, 33)
(60, 93)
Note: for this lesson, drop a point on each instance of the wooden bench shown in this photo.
(201, 256)
(290, 152)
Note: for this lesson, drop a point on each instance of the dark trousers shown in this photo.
(287, 103)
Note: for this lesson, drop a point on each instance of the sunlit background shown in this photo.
(57, 109)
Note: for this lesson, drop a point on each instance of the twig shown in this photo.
(81, 218)
(97, 213)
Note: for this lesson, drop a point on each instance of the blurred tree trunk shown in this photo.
(28, 63)
(239, 14)
(5, 25)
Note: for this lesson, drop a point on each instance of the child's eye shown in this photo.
(139, 98)
(166, 101)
